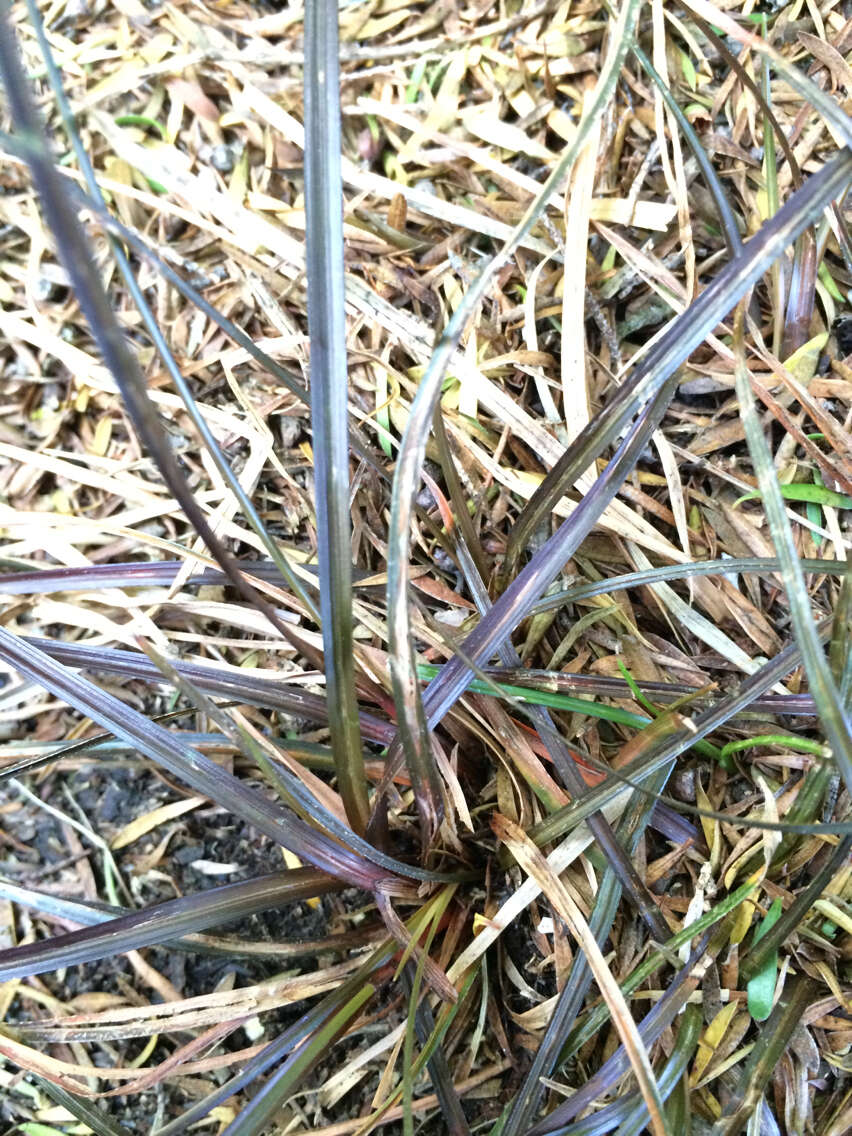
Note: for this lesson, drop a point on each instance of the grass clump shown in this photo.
(425, 483)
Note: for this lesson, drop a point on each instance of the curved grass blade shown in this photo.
(829, 107)
(169, 920)
(652, 1025)
(747, 564)
(832, 712)
(748, 82)
(566, 766)
(263, 1107)
(111, 659)
(755, 1074)
(763, 949)
(683, 335)
(157, 337)
(669, 747)
(515, 602)
(89, 293)
(727, 219)
(573, 993)
(412, 716)
(199, 772)
(329, 396)
(296, 795)
(313, 1020)
(534, 864)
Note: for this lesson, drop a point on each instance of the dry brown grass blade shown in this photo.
(533, 862)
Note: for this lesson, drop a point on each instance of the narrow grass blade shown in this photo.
(746, 564)
(683, 335)
(315, 1018)
(571, 998)
(198, 674)
(230, 684)
(199, 772)
(515, 602)
(92, 1117)
(412, 716)
(262, 1108)
(170, 920)
(720, 198)
(799, 993)
(91, 296)
(329, 396)
(833, 715)
(182, 387)
(677, 994)
(532, 861)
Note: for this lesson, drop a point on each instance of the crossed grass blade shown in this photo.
(228, 683)
(532, 862)
(681, 338)
(192, 767)
(720, 712)
(832, 712)
(528, 1098)
(414, 714)
(246, 505)
(544, 726)
(78, 261)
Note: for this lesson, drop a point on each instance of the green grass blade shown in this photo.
(761, 988)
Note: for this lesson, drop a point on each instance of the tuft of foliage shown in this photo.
(427, 633)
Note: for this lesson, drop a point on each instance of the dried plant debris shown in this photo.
(425, 482)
